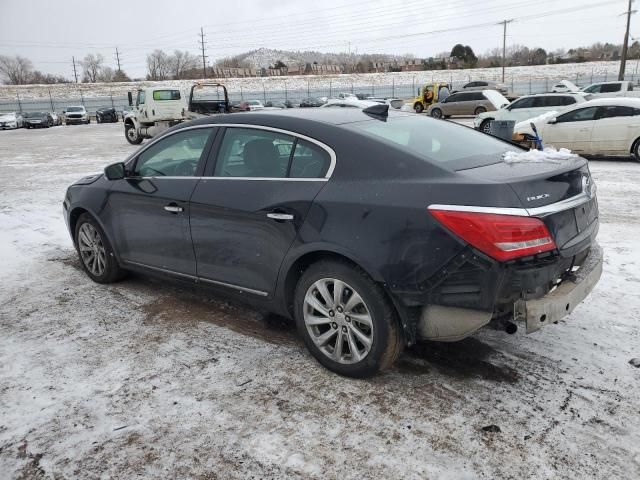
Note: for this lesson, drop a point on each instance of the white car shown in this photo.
(605, 126)
(395, 103)
(11, 120)
(348, 103)
(255, 105)
(564, 86)
(611, 89)
(528, 106)
(76, 115)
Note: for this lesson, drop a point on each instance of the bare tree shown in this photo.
(106, 74)
(15, 70)
(158, 65)
(92, 66)
(181, 63)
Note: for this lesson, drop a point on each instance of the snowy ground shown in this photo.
(141, 379)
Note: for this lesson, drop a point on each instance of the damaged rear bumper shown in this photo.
(564, 298)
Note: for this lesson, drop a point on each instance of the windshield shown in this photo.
(75, 109)
(437, 141)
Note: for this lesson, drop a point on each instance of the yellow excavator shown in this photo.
(428, 94)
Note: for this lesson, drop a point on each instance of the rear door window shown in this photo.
(617, 111)
(309, 161)
(580, 115)
(610, 87)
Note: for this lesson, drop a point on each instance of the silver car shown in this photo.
(462, 103)
(486, 85)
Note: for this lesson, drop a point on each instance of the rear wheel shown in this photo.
(485, 126)
(95, 251)
(479, 110)
(346, 321)
(131, 133)
(418, 107)
(436, 113)
(635, 150)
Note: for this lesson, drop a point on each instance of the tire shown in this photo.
(485, 126)
(95, 252)
(418, 107)
(635, 150)
(88, 121)
(97, 119)
(436, 113)
(479, 110)
(378, 323)
(131, 134)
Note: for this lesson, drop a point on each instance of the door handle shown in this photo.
(173, 208)
(280, 216)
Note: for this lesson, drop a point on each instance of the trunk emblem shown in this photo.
(538, 197)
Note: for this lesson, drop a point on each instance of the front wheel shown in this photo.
(635, 150)
(95, 251)
(418, 107)
(436, 113)
(479, 110)
(131, 133)
(485, 126)
(346, 321)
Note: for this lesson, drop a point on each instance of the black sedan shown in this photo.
(106, 115)
(37, 120)
(372, 230)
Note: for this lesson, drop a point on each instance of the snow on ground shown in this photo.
(336, 82)
(144, 379)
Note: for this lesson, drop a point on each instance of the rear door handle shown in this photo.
(280, 216)
(173, 208)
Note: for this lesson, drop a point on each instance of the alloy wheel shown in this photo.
(338, 321)
(92, 249)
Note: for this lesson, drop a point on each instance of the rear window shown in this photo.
(610, 87)
(160, 95)
(436, 141)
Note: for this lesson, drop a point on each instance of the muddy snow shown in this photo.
(144, 379)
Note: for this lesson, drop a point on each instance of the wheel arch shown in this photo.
(74, 215)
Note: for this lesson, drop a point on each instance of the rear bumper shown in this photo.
(565, 297)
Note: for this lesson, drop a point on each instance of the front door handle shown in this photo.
(173, 208)
(280, 216)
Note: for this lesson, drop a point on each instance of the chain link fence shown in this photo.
(517, 87)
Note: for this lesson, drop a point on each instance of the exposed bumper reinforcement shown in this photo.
(562, 300)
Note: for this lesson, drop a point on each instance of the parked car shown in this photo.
(278, 104)
(351, 102)
(486, 85)
(11, 120)
(564, 86)
(611, 89)
(467, 103)
(312, 102)
(106, 115)
(57, 119)
(343, 95)
(255, 105)
(605, 127)
(37, 120)
(528, 106)
(371, 230)
(240, 106)
(76, 115)
(395, 103)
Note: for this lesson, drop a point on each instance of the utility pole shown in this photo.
(625, 45)
(75, 74)
(118, 58)
(504, 44)
(204, 62)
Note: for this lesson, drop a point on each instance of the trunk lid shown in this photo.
(541, 184)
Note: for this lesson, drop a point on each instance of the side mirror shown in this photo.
(115, 171)
(552, 121)
(130, 97)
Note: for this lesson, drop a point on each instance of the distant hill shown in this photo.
(266, 57)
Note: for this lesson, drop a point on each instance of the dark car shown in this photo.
(37, 120)
(371, 230)
(312, 102)
(106, 115)
(278, 104)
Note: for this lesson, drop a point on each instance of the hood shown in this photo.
(496, 98)
(8, 117)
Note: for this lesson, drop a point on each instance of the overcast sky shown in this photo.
(50, 32)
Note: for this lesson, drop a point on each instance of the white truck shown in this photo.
(611, 89)
(159, 108)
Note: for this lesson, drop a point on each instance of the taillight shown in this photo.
(503, 237)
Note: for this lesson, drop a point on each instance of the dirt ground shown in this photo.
(146, 380)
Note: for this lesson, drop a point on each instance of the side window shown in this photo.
(141, 97)
(593, 88)
(568, 100)
(616, 111)
(630, 87)
(249, 152)
(478, 96)
(580, 115)
(482, 84)
(174, 156)
(610, 87)
(469, 85)
(160, 95)
(456, 97)
(522, 103)
(309, 161)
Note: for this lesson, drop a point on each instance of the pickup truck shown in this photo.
(611, 89)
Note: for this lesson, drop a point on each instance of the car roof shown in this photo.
(623, 101)
(555, 94)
